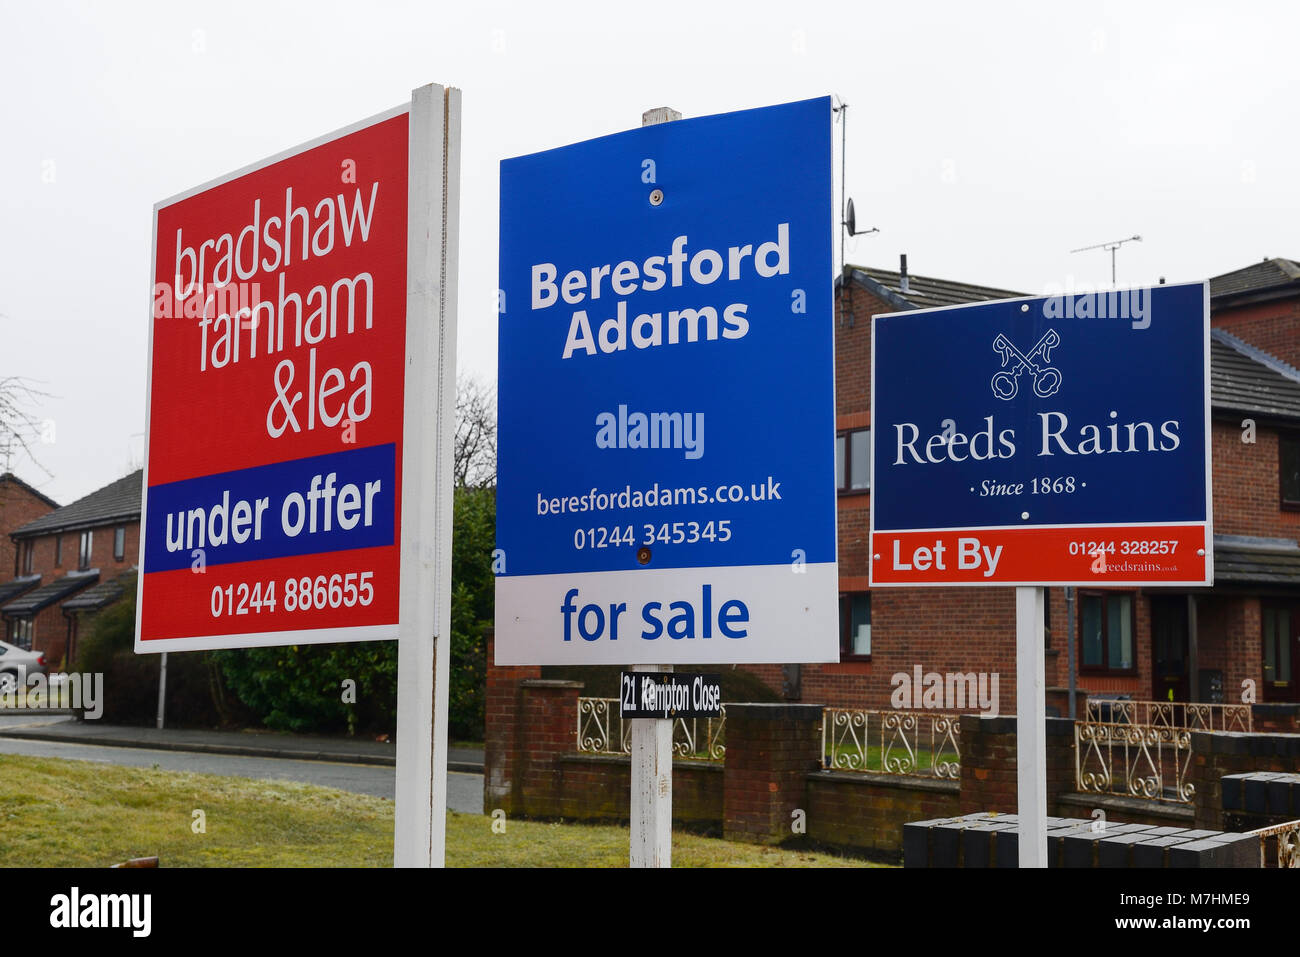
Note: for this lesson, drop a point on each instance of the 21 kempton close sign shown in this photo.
(1055, 440)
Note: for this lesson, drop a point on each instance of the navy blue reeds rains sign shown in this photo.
(1052, 440)
(666, 487)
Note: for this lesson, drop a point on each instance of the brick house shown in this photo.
(69, 562)
(1199, 644)
(19, 504)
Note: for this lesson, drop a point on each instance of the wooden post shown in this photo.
(1031, 727)
(652, 738)
(1072, 664)
(424, 615)
(162, 691)
(652, 788)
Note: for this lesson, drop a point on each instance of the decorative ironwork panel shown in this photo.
(892, 742)
(1171, 714)
(602, 730)
(1148, 761)
(1285, 839)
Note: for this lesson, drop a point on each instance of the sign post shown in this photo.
(300, 397)
(1058, 440)
(1031, 731)
(429, 422)
(651, 807)
(666, 489)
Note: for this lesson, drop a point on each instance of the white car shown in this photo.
(16, 664)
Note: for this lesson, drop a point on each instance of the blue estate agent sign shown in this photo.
(1051, 440)
(666, 395)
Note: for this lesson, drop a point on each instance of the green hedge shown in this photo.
(301, 688)
(196, 694)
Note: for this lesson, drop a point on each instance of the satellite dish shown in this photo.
(851, 221)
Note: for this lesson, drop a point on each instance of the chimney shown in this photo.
(903, 284)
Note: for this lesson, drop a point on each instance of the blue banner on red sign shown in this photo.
(333, 502)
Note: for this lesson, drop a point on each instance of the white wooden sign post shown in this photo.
(651, 810)
(433, 210)
(652, 788)
(1031, 730)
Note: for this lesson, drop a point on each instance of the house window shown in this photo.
(119, 543)
(1277, 647)
(58, 551)
(20, 633)
(27, 557)
(855, 625)
(83, 556)
(1289, 467)
(1106, 632)
(853, 461)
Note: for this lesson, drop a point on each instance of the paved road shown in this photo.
(464, 791)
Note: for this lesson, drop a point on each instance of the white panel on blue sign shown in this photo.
(666, 489)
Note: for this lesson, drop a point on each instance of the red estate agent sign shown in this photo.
(272, 509)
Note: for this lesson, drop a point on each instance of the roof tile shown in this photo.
(118, 501)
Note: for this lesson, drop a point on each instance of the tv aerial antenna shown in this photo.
(848, 219)
(1113, 247)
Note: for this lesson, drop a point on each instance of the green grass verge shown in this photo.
(79, 813)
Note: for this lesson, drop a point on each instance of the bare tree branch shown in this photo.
(474, 459)
(20, 429)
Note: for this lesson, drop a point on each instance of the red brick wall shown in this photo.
(17, 507)
(50, 635)
(853, 354)
(548, 718)
(868, 811)
(1271, 326)
(852, 526)
(595, 787)
(1247, 493)
(1276, 718)
(503, 734)
(1217, 754)
(770, 750)
(101, 552)
(45, 551)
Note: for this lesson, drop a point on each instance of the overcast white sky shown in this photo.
(986, 140)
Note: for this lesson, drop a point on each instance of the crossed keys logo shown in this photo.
(1047, 380)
